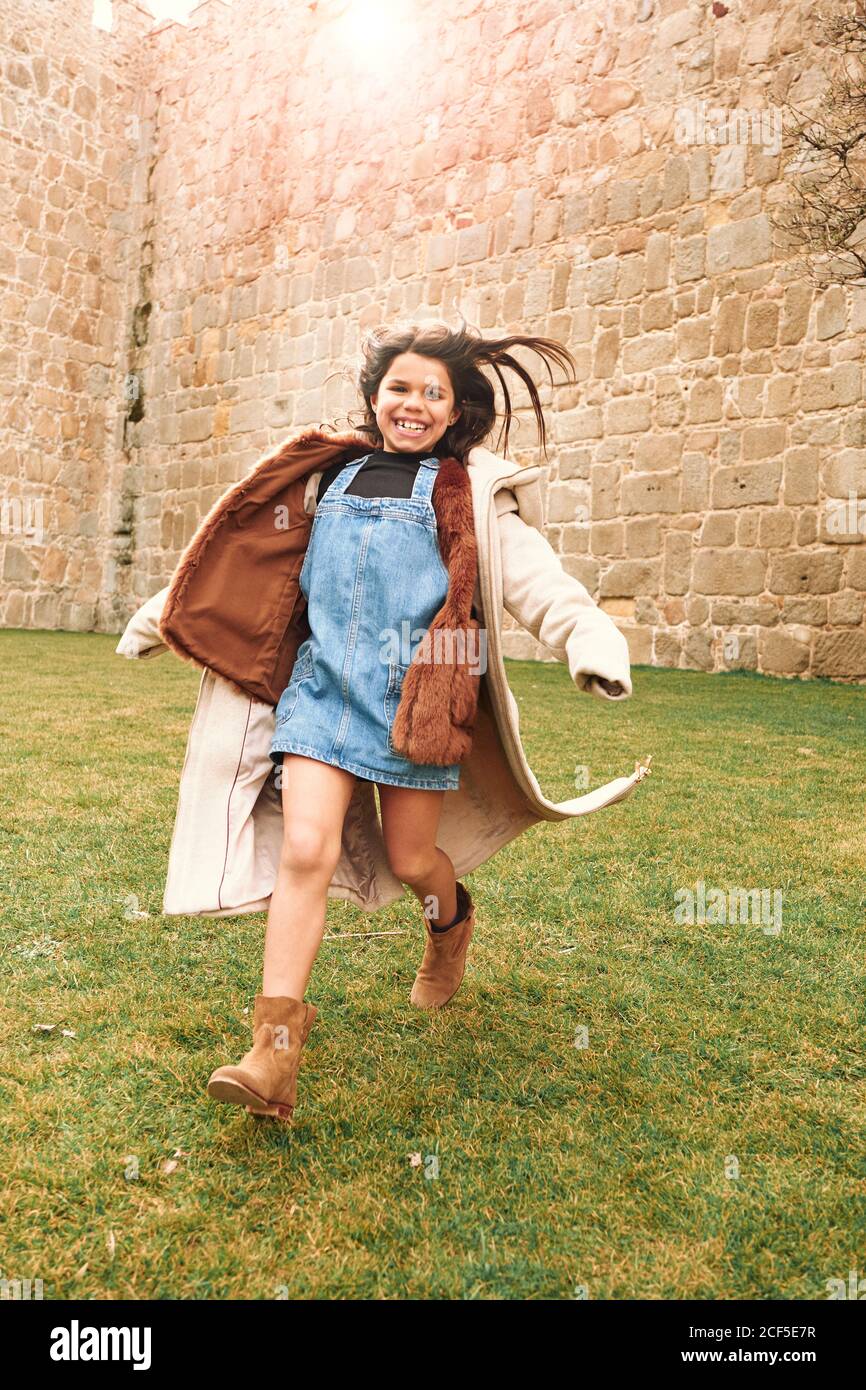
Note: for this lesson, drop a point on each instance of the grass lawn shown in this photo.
(610, 1166)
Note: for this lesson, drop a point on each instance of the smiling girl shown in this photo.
(373, 569)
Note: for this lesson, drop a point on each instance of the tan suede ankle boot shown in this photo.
(444, 962)
(265, 1080)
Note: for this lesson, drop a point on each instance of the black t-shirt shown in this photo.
(382, 474)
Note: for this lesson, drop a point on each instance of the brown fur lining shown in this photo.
(436, 713)
(231, 500)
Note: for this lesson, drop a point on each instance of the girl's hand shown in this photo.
(612, 687)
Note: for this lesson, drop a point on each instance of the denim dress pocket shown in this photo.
(301, 671)
(396, 674)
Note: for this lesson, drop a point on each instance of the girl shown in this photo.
(372, 571)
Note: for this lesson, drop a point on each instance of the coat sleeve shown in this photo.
(557, 609)
(141, 635)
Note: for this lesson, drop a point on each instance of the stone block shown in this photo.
(584, 570)
(739, 651)
(730, 325)
(677, 562)
(846, 607)
(831, 313)
(719, 529)
(805, 572)
(782, 395)
(640, 642)
(696, 483)
(775, 528)
(693, 339)
(840, 653)
(746, 484)
(565, 503)
(650, 492)
(642, 537)
(625, 578)
(781, 654)
(729, 571)
(738, 245)
(705, 402)
(601, 281)
(800, 475)
(658, 451)
(572, 425)
(827, 390)
(856, 569)
(658, 253)
(628, 415)
(745, 611)
(762, 324)
(656, 311)
(698, 650)
(763, 441)
(612, 95)
(604, 481)
(19, 566)
(574, 463)
(618, 607)
(667, 649)
(795, 312)
(811, 611)
(807, 527)
(690, 259)
(648, 352)
(845, 473)
(607, 538)
(678, 28)
(606, 352)
(697, 611)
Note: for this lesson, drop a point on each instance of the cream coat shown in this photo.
(225, 847)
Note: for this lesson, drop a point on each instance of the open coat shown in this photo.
(235, 609)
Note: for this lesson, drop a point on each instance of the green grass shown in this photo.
(559, 1166)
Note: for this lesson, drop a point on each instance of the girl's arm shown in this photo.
(557, 609)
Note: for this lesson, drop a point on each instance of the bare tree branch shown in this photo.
(826, 161)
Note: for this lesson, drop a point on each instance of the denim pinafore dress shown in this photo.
(373, 579)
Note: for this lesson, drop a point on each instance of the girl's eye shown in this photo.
(432, 392)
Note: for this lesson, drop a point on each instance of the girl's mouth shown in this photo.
(410, 427)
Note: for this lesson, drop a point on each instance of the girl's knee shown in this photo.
(412, 867)
(308, 849)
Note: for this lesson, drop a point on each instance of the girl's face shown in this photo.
(414, 404)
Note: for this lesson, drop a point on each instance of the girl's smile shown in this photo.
(411, 427)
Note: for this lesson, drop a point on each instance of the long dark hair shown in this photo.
(463, 351)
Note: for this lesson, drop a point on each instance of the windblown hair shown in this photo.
(464, 352)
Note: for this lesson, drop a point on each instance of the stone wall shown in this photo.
(206, 219)
(68, 233)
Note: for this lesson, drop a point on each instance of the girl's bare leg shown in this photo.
(410, 820)
(315, 798)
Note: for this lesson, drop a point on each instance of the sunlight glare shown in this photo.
(376, 29)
